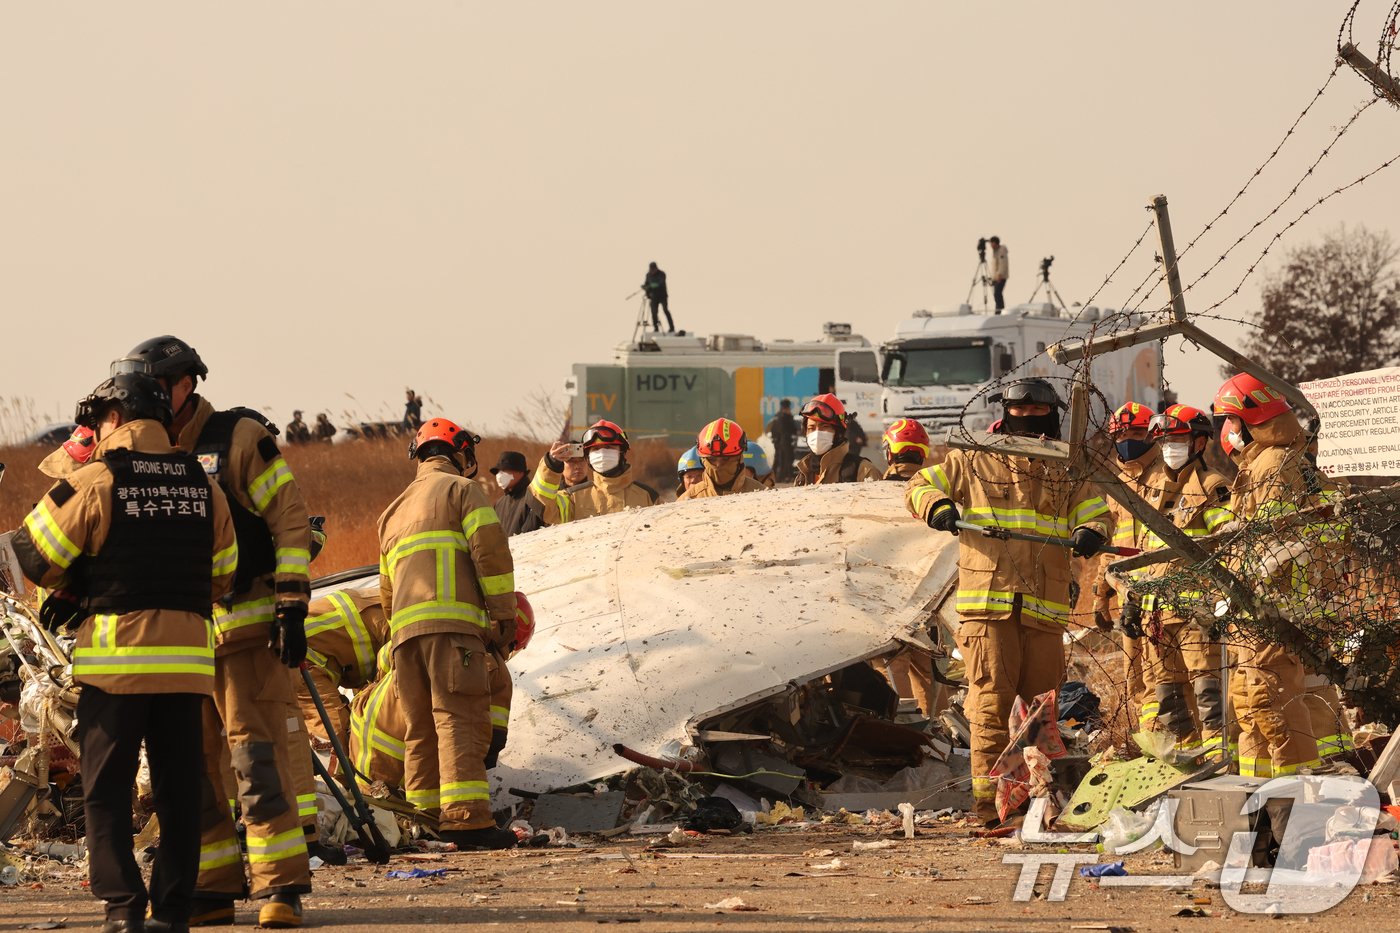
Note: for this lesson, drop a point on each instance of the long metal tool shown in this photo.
(361, 817)
(991, 531)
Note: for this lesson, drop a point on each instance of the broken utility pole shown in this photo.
(1386, 86)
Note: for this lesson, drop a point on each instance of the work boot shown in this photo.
(331, 855)
(124, 926)
(211, 913)
(281, 911)
(490, 837)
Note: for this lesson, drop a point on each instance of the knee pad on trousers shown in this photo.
(498, 742)
(1172, 713)
(1209, 701)
(259, 783)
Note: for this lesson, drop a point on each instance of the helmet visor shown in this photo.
(131, 365)
(602, 436)
(1027, 392)
(821, 411)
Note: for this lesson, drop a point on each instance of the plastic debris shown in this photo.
(1124, 827)
(906, 810)
(1369, 857)
(730, 903)
(415, 873)
(781, 813)
(714, 814)
(1104, 870)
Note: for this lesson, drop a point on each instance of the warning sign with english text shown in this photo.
(1360, 422)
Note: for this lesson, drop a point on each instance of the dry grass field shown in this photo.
(349, 483)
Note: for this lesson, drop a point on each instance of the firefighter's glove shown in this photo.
(289, 633)
(1131, 622)
(944, 517)
(503, 634)
(1103, 621)
(60, 610)
(1085, 542)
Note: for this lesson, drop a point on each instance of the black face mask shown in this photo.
(1032, 425)
(1130, 450)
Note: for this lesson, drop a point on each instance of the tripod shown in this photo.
(1045, 283)
(979, 275)
(641, 325)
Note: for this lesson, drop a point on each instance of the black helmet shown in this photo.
(1027, 391)
(163, 357)
(139, 395)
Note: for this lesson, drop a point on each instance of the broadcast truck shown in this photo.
(940, 367)
(669, 386)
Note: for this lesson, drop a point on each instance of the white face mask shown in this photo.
(504, 479)
(604, 459)
(1236, 441)
(1175, 455)
(819, 442)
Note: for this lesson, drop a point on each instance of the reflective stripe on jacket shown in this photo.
(147, 650)
(344, 630)
(444, 563)
(1015, 493)
(602, 495)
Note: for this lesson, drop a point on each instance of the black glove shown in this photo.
(1085, 542)
(288, 636)
(944, 517)
(1102, 622)
(1131, 621)
(60, 610)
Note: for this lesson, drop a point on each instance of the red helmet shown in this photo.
(524, 623)
(1180, 421)
(1250, 400)
(1129, 415)
(905, 434)
(721, 438)
(827, 409)
(80, 444)
(605, 434)
(1226, 446)
(448, 432)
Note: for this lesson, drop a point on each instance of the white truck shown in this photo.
(940, 367)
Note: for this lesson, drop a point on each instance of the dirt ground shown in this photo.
(942, 880)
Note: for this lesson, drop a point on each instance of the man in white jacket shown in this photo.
(1000, 270)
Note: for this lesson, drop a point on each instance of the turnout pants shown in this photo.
(1327, 715)
(1141, 685)
(1266, 694)
(255, 720)
(111, 727)
(498, 675)
(336, 705)
(1003, 659)
(444, 685)
(911, 675)
(1187, 668)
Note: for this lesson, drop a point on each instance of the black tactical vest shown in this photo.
(257, 557)
(158, 551)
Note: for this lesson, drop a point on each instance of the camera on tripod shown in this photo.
(982, 248)
(1045, 267)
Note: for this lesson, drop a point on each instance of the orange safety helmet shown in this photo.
(1178, 421)
(906, 434)
(721, 438)
(605, 434)
(80, 444)
(1250, 400)
(827, 409)
(448, 432)
(1129, 415)
(524, 623)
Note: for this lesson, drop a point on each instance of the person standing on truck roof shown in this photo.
(517, 507)
(140, 581)
(1013, 595)
(906, 447)
(447, 583)
(259, 643)
(998, 272)
(783, 430)
(831, 459)
(1139, 468)
(610, 487)
(722, 446)
(654, 285)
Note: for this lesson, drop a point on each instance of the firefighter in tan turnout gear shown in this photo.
(906, 445)
(259, 642)
(610, 487)
(721, 445)
(344, 631)
(830, 459)
(1138, 463)
(136, 546)
(1013, 595)
(447, 582)
(1267, 682)
(1185, 663)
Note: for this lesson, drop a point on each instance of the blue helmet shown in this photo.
(690, 460)
(756, 458)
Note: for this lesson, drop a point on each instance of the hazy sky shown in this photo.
(334, 199)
